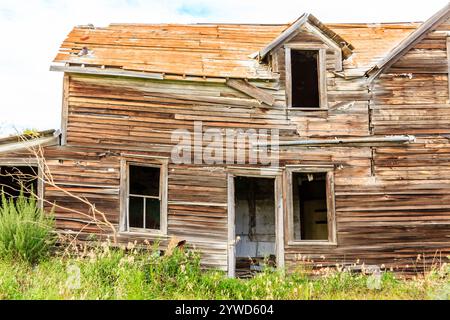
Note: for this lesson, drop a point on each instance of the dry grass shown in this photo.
(105, 273)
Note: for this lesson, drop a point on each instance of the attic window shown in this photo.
(305, 80)
(305, 76)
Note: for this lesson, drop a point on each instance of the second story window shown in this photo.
(305, 78)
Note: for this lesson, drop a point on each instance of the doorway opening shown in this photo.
(255, 225)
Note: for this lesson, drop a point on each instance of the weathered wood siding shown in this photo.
(412, 97)
(392, 201)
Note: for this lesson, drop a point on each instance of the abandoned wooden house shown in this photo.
(354, 118)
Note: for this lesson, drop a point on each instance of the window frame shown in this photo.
(322, 76)
(125, 196)
(331, 211)
(36, 163)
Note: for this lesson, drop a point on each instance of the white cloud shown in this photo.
(33, 30)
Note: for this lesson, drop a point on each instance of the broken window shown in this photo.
(14, 179)
(310, 211)
(144, 198)
(305, 79)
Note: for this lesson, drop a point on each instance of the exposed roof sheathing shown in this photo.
(372, 42)
(211, 50)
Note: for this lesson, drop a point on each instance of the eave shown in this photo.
(25, 142)
(292, 30)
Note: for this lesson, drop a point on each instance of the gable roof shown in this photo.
(409, 42)
(294, 28)
(207, 50)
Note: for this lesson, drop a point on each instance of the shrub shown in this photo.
(26, 231)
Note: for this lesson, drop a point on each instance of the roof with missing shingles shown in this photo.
(212, 50)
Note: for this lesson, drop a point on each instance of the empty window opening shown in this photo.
(310, 206)
(255, 224)
(14, 179)
(305, 78)
(144, 198)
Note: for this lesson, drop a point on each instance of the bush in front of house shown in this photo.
(26, 231)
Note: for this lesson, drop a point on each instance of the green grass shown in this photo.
(105, 273)
(31, 269)
(26, 231)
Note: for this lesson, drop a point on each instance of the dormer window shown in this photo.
(305, 77)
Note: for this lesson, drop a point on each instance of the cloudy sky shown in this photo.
(32, 30)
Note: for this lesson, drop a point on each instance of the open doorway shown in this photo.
(255, 224)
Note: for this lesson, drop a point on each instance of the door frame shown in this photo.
(275, 174)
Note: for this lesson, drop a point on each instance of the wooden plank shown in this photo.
(331, 209)
(252, 91)
(322, 79)
(106, 72)
(448, 64)
(65, 109)
(288, 66)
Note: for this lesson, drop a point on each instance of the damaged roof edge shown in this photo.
(20, 142)
(409, 42)
(151, 75)
(292, 29)
(107, 72)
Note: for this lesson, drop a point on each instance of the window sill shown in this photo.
(312, 243)
(306, 109)
(149, 234)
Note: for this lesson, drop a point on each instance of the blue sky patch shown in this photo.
(194, 10)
